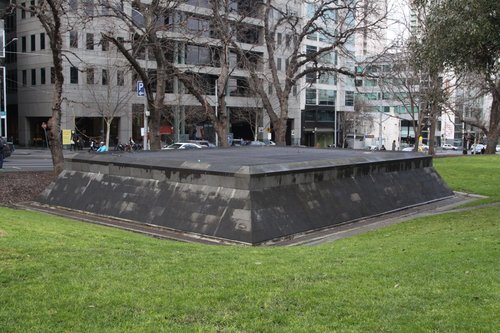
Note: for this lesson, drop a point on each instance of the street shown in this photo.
(30, 160)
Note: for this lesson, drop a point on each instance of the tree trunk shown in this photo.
(279, 125)
(221, 121)
(108, 129)
(494, 126)
(432, 131)
(54, 123)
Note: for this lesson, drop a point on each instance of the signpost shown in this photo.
(141, 92)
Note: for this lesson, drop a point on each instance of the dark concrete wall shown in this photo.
(253, 204)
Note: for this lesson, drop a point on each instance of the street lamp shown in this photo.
(216, 110)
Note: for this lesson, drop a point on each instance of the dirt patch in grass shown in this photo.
(18, 187)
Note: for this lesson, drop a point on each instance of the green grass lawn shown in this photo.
(433, 274)
(478, 174)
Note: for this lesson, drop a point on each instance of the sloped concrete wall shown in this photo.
(251, 203)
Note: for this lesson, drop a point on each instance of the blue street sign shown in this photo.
(140, 89)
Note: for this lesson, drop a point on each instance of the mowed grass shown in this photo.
(433, 274)
(479, 174)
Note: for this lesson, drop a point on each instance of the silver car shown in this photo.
(182, 145)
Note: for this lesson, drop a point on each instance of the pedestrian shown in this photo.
(74, 141)
(102, 148)
(393, 145)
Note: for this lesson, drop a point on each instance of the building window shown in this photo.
(313, 36)
(33, 43)
(278, 64)
(90, 41)
(24, 78)
(32, 7)
(349, 98)
(104, 77)
(278, 38)
(73, 39)
(329, 58)
(327, 97)
(73, 75)
(325, 115)
(311, 77)
(42, 41)
(23, 44)
(52, 75)
(311, 96)
(33, 77)
(198, 55)
(42, 75)
(23, 12)
(120, 78)
(104, 7)
(104, 44)
(73, 4)
(88, 7)
(270, 89)
(310, 49)
(328, 78)
(198, 26)
(90, 76)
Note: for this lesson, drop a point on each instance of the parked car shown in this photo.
(497, 148)
(447, 146)
(421, 148)
(6, 148)
(203, 143)
(478, 148)
(256, 143)
(182, 145)
(239, 142)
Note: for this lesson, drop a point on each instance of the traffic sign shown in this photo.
(141, 91)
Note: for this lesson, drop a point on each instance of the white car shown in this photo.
(182, 145)
(447, 146)
(478, 148)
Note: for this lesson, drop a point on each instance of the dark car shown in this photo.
(6, 148)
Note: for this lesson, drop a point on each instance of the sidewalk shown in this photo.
(42, 152)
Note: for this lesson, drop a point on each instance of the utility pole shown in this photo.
(146, 111)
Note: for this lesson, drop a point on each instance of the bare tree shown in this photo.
(361, 117)
(51, 14)
(336, 21)
(111, 100)
(146, 24)
(402, 83)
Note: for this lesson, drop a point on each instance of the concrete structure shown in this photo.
(246, 195)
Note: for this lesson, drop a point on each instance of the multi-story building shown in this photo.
(97, 78)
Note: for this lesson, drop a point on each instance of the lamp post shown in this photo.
(216, 110)
(3, 112)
